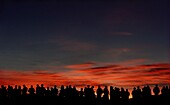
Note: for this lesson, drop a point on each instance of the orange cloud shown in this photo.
(116, 75)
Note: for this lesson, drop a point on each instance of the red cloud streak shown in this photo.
(115, 75)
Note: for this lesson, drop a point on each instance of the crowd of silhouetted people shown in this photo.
(66, 95)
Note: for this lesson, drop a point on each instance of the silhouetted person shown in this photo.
(3, 92)
(70, 95)
(106, 94)
(47, 92)
(61, 94)
(10, 91)
(112, 94)
(75, 92)
(168, 93)
(24, 90)
(117, 95)
(42, 90)
(87, 92)
(134, 93)
(124, 96)
(127, 94)
(156, 90)
(31, 91)
(81, 93)
(148, 90)
(69, 91)
(38, 90)
(54, 91)
(19, 91)
(163, 91)
(138, 93)
(90, 92)
(122, 93)
(99, 92)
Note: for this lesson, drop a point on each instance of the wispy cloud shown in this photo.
(115, 52)
(133, 61)
(117, 75)
(80, 66)
(68, 44)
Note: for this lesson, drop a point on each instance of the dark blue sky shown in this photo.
(37, 35)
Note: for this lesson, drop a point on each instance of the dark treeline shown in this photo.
(69, 95)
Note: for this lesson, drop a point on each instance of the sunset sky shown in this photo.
(119, 43)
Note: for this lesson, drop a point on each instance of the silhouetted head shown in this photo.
(122, 89)
(166, 87)
(74, 87)
(2, 86)
(62, 86)
(48, 88)
(42, 85)
(69, 86)
(55, 86)
(134, 88)
(24, 85)
(38, 85)
(98, 86)
(31, 86)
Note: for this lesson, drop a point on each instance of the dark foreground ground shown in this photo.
(27, 100)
